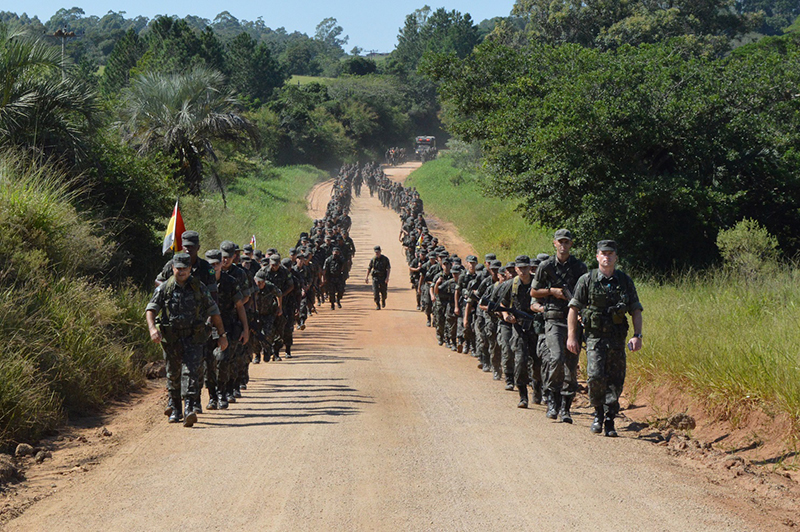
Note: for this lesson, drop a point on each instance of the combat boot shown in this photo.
(597, 424)
(609, 429)
(288, 352)
(553, 405)
(222, 401)
(229, 395)
(174, 408)
(212, 400)
(523, 397)
(190, 418)
(496, 376)
(537, 393)
(237, 393)
(257, 359)
(196, 406)
(564, 413)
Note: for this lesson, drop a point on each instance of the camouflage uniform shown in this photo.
(379, 266)
(182, 312)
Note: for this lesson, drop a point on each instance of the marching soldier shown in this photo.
(380, 268)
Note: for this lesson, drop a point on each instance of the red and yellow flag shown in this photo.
(175, 228)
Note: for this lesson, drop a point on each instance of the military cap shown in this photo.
(489, 257)
(336, 248)
(522, 260)
(271, 251)
(264, 261)
(447, 261)
(542, 257)
(511, 264)
(274, 259)
(472, 258)
(248, 248)
(287, 262)
(535, 263)
(480, 268)
(607, 245)
(245, 258)
(457, 268)
(495, 264)
(190, 238)
(561, 234)
(502, 269)
(292, 250)
(213, 256)
(444, 254)
(237, 247)
(227, 248)
(303, 235)
(376, 248)
(261, 275)
(182, 260)
(258, 254)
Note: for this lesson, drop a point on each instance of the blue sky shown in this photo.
(371, 25)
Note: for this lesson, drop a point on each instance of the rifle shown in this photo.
(526, 319)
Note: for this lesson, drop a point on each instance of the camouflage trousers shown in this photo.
(504, 333)
(183, 359)
(605, 369)
(559, 365)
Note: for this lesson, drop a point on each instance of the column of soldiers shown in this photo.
(216, 315)
(525, 321)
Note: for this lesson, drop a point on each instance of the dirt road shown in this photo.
(372, 426)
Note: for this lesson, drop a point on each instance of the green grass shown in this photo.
(489, 224)
(728, 342)
(270, 204)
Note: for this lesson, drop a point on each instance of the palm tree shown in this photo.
(41, 108)
(181, 114)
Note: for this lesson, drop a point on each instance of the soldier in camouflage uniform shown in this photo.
(554, 284)
(464, 332)
(603, 297)
(268, 300)
(442, 293)
(380, 268)
(235, 317)
(486, 289)
(333, 272)
(182, 305)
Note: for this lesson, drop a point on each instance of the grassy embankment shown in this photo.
(70, 342)
(489, 224)
(729, 343)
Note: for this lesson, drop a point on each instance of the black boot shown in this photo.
(608, 427)
(212, 399)
(170, 405)
(523, 397)
(174, 408)
(288, 351)
(189, 416)
(222, 400)
(597, 425)
(537, 393)
(196, 406)
(229, 394)
(553, 405)
(564, 413)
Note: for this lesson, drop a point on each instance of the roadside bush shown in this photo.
(67, 340)
(748, 248)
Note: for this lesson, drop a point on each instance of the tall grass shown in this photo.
(68, 341)
(731, 342)
(270, 203)
(489, 224)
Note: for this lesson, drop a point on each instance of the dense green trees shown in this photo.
(657, 146)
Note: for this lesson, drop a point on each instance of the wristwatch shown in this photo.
(637, 335)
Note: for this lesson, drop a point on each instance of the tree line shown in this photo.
(653, 125)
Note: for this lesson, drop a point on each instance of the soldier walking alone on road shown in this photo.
(380, 268)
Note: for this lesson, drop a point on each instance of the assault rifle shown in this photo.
(525, 319)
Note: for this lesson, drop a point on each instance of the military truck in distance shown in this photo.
(425, 148)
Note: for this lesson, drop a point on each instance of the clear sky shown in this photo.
(371, 24)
